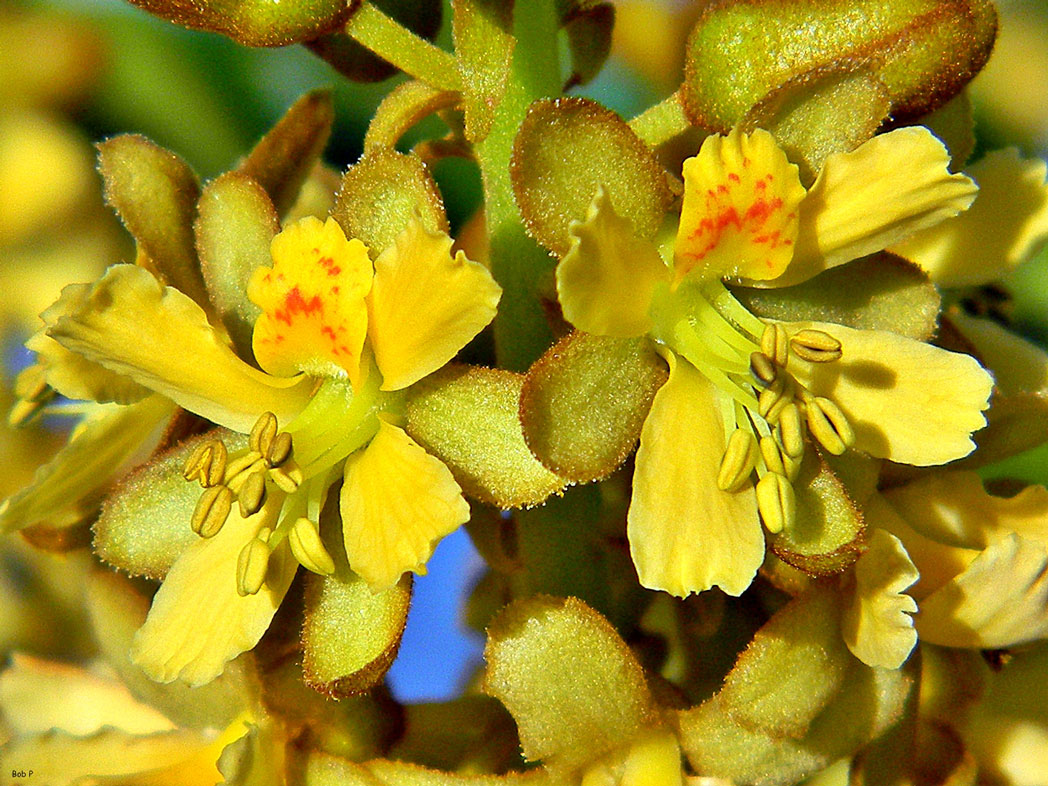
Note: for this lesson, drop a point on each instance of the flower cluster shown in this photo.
(721, 394)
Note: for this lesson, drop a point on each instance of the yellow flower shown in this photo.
(359, 334)
(743, 394)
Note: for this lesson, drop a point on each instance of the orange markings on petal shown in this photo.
(739, 216)
(314, 318)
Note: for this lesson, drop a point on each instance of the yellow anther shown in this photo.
(22, 412)
(279, 450)
(212, 510)
(252, 493)
(762, 369)
(740, 456)
(263, 433)
(791, 430)
(240, 463)
(31, 384)
(253, 564)
(776, 502)
(829, 425)
(288, 478)
(304, 539)
(774, 343)
(237, 481)
(776, 460)
(207, 464)
(775, 397)
(816, 346)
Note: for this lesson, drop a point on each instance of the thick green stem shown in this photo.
(522, 331)
(390, 40)
(660, 123)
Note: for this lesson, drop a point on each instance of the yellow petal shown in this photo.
(653, 760)
(425, 305)
(686, 535)
(890, 187)
(1007, 224)
(397, 502)
(37, 695)
(953, 507)
(739, 216)
(1001, 600)
(198, 621)
(159, 337)
(313, 318)
(606, 281)
(907, 401)
(1018, 365)
(876, 623)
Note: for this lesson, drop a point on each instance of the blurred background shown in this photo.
(73, 72)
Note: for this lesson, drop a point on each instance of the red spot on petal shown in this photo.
(733, 177)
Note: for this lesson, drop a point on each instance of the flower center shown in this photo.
(768, 414)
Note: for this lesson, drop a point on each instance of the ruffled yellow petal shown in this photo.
(1018, 365)
(686, 535)
(199, 621)
(739, 216)
(313, 314)
(907, 401)
(1001, 600)
(397, 502)
(953, 507)
(37, 695)
(1006, 225)
(876, 623)
(890, 187)
(606, 281)
(159, 337)
(426, 305)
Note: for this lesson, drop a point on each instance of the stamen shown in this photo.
(252, 494)
(775, 398)
(279, 450)
(762, 368)
(263, 433)
(774, 343)
(816, 346)
(304, 539)
(212, 510)
(237, 481)
(288, 478)
(791, 430)
(239, 464)
(207, 463)
(740, 457)
(253, 564)
(776, 502)
(829, 425)
(33, 395)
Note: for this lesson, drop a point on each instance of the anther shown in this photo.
(288, 478)
(253, 564)
(829, 425)
(31, 383)
(212, 510)
(791, 430)
(263, 433)
(23, 411)
(776, 459)
(207, 463)
(762, 369)
(241, 463)
(776, 502)
(816, 346)
(304, 539)
(279, 450)
(774, 343)
(774, 398)
(252, 494)
(740, 456)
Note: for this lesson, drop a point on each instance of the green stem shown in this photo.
(413, 55)
(660, 123)
(522, 331)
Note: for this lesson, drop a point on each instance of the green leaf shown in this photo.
(467, 417)
(255, 22)
(144, 525)
(284, 157)
(484, 51)
(234, 230)
(564, 150)
(878, 292)
(381, 192)
(155, 193)
(832, 109)
(572, 685)
(583, 403)
(924, 51)
(826, 536)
